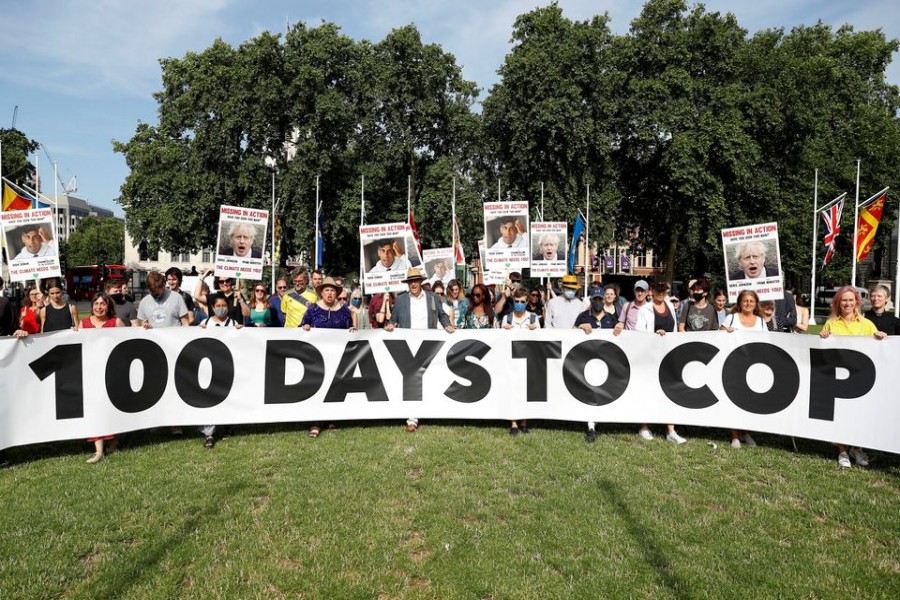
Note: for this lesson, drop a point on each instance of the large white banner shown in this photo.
(753, 261)
(31, 248)
(68, 384)
(242, 237)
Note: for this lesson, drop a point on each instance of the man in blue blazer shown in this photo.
(417, 309)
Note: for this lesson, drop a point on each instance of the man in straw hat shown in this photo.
(417, 309)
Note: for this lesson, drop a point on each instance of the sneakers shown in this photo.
(591, 436)
(645, 434)
(523, 430)
(843, 460)
(673, 436)
(748, 440)
(209, 443)
(513, 431)
(859, 456)
(94, 459)
(735, 443)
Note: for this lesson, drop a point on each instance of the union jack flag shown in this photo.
(832, 218)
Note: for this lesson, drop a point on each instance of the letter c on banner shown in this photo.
(785, 386)
(616, 363)
(671, 370)
(118, 382)
(187, 369)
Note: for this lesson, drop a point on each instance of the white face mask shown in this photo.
(569, 293)
(220, 312)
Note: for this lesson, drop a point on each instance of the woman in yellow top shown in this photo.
(846, 319)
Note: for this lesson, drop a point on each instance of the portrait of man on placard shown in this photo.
(241, 240)
(546, 246)
(31, 241)
(508, 231)
(753, 260)
(384, 255)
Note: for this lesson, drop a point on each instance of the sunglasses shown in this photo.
(478, 295)
(224, 282)
(260, 291)
(343, 298)
(281, 287)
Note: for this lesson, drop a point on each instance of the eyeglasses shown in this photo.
(342, 299)
(281, 287)
(478, 295)
(260, 291)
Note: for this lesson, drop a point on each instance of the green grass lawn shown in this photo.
(453, 511)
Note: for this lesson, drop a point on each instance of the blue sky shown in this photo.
(82, 72)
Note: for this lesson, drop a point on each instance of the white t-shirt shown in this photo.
(418, 311)
(524, 322)
(519, 242)
(734, 321)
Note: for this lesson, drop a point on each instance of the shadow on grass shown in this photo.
(643, 538)
(143, 561)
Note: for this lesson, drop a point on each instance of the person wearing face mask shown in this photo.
(699, 314)
(124, 308)
(565, 308)
(359, 312)
(519, 318)
(219, 318)
(603, 313)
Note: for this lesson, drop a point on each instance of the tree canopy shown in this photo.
(682, 126)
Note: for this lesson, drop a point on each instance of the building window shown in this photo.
(207, 255)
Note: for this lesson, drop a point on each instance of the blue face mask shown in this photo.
(569, 293)
(357, 302)
(519, 306)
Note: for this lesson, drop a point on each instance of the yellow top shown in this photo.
(294, 309)
(859, 326)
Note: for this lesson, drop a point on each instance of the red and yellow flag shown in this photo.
(13, 200)
(869, 217)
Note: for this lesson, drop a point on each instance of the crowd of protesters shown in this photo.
(316, 300)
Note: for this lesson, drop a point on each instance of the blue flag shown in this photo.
(577, 232)
(320, 241)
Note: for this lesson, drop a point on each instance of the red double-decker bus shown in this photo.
(84, 282)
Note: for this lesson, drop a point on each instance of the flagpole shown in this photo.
(37, 178)
(318, 213)
(812, 293)
(855, 226)
(587, 239)
(897, 273)
(498, 189)
(362, 221)
(544, 280)
(56, 198)
(274, 210)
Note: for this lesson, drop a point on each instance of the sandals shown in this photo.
(314, 431)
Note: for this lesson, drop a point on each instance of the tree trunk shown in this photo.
(670, 256)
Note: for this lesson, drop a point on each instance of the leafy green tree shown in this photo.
(550, 118)
(97, 240)
(16, 148)
(685, 146)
